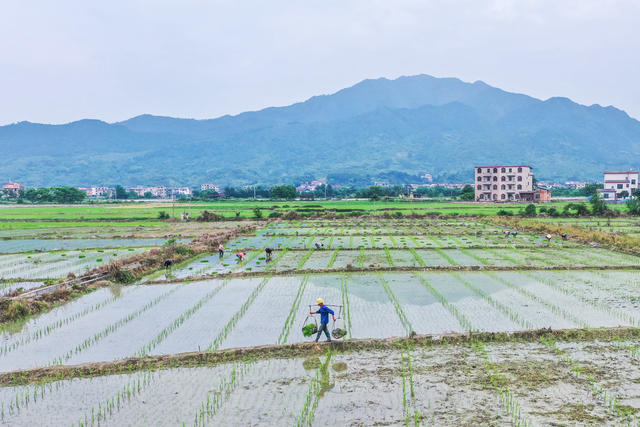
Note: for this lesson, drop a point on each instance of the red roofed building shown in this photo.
(12, 187)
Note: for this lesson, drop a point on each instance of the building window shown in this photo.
(502, 170)
(519, 187)
(606, 195)
(495, 178)
(495, 170)
(495, 187)
(503, 197)
(479, 187)
(495, 197)
(519, 169)
(504, 178)
(479, 178)
(633, 182)
(620, 186)
(502, 187)
(509, 169)
(537, 196)
(519, 178)
(479, 170)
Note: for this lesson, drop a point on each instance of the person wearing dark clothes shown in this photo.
(268, 251)
(324, 312)
(221, 250)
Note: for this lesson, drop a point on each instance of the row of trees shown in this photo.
(49, 195)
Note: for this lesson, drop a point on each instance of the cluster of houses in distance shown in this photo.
(495, 184)
(515, 183)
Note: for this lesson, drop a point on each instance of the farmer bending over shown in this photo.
(268, 251)
(324, 319)
(241, 255)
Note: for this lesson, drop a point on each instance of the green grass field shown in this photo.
(11, 215)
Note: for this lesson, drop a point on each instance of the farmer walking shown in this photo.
(324, 319)
(221, 250)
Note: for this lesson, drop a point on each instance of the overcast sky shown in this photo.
(62, 61)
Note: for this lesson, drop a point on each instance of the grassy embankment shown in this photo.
(22, 216)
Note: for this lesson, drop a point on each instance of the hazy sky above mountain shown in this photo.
(65, 60)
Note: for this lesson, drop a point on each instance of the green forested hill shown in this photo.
(378, 129)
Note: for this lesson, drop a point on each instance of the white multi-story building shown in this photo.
(181, 191)
(207, 187)
(97, 191)
(616, 183)
(502, 183)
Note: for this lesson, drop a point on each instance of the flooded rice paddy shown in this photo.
(531, 284)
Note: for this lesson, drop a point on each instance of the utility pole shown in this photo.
(254, 191)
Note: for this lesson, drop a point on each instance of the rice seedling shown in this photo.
(317, 386)
(228, 327)
(554, 308)
(396, 304)
(332, 260)
(599, 391)
(105, 409)
(95, 338)
(164, 333)
(474, 255)
(344, 290)
(408, 398)
(215, 398)
(46, 330)
(511, 405)
(506, 310)
(626, 317)
(446, 256)
(305, 258)
(389, 258)
(462, 319)
(295, 306)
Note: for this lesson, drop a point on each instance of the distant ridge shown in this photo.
(378, 129)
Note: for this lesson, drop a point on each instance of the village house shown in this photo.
(619, 185)
(101, 191)
(539, 195)
(503, 183)
(12, 187)
(181, 191)
(210, 187)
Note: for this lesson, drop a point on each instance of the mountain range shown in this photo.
(380, 129)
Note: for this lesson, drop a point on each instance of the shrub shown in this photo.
(530, 210)
(16, 310)
(183, 250)
(124, 276)
(163, 215)
(257, 212)
(207, 216)
(503, 212)
(171, 241)
(275, 214)
(553, 212)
